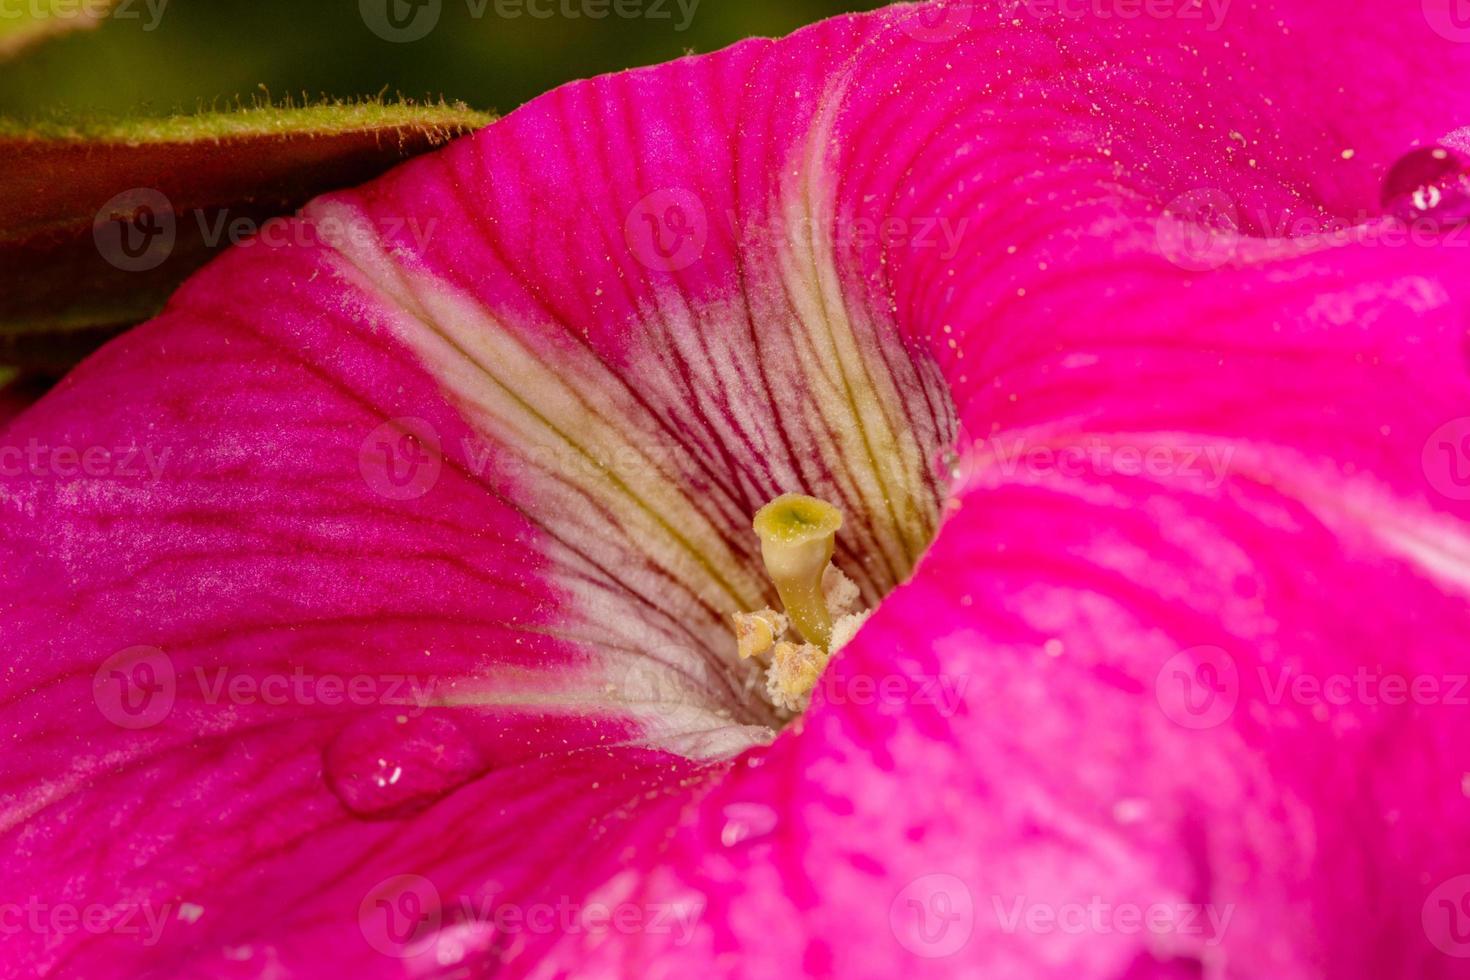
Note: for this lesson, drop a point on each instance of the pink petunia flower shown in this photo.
(367, 613)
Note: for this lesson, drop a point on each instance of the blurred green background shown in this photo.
(155, 57)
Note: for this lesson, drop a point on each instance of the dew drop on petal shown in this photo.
(389, 765)
(1430, 184)
(746, 822)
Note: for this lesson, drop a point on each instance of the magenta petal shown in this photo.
(501, 457)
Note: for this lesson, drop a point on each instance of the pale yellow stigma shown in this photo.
(798, 535)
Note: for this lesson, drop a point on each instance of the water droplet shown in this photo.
(390, 765)
(746, 822)
(1430, 184)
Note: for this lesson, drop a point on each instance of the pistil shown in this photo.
(821, 611)
(798, 535)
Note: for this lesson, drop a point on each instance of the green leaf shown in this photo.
(27, 22)
(99, 223)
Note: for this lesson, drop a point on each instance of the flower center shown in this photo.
(797, 535)
(634, 438)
